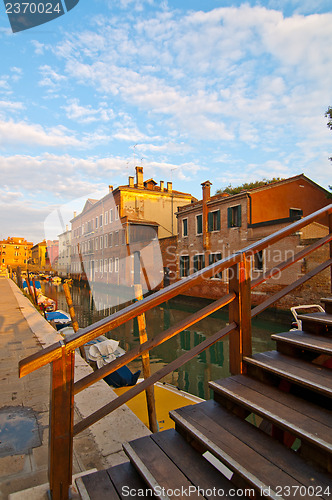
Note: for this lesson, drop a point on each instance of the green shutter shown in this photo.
(218, 220)
(239, 216)
(210, 222)
(195, 263)
(199, 224)
(229, 217)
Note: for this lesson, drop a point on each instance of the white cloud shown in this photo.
(87, 114)
(22, 133)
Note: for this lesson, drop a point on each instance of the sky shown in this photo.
(218, 90)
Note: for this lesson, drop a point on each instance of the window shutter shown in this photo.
(229, 217)
(210, 222)
(218, 220)
(199, 224)
(239, 221)
(195, 263)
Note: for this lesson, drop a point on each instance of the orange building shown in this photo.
(15, 252)
(219, 225)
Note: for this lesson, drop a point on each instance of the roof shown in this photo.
(287, 181)
(230, 197)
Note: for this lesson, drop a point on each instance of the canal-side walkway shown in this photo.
(24, 406)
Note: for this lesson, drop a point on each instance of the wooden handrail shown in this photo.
(61, 354)
(136, 389)
(287, 263)
(268, 302)
(150, 344)
(89, 333)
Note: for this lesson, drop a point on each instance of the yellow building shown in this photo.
(112, 236)
(39, 256)
(15, 252)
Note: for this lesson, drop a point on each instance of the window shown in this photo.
(199, 224)
(100, 220)
(199, 262)
(123, 237)
(106, 241)
(214, 257)
(101, 266)
(258, 261)
(234, 216)
(116, 265)
(96, 245)
(295, 213)
(184, 266)
(105, 265)
(106, 218)
(101, 242)
(185, 227)
(116, 238)
(111, 215)
(96, 222)
(110, 265)
(110, 239)
(214, 220)
(117, 212)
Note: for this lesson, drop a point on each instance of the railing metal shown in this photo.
(61, 354)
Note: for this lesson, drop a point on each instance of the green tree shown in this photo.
(246, 186)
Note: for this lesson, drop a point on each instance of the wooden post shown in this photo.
(30, 289)
(72, 314)
(35, 290)
(330, 231)
(149, 392)
(19, 277)
(239, 311)
(61, 426)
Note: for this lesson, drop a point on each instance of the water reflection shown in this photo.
(194, 376)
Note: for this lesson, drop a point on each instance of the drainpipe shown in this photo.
(206, 189)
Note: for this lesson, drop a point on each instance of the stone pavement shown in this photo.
(24, 406)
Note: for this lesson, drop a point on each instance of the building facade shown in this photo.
(63, 267)
(115, 239)
(15, 252)
(217, 226)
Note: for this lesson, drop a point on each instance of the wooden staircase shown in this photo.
(281, 401)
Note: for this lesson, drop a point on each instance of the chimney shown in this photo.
(139, 177)
(74, 215)
(131, 182)
(169, 187)
(206, 188)
(110, 188)
(66, 227)
(162, 186)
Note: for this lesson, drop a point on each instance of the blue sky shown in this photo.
(220, 90)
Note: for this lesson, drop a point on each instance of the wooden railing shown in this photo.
(61, 354)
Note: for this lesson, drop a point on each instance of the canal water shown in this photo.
(192, 377)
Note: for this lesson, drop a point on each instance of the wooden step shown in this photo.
(297, 340)
(118, 482)
(262, 462)
(169, 464)
(319, 322)
(305, 374)
(327, 301)
(299, 417)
